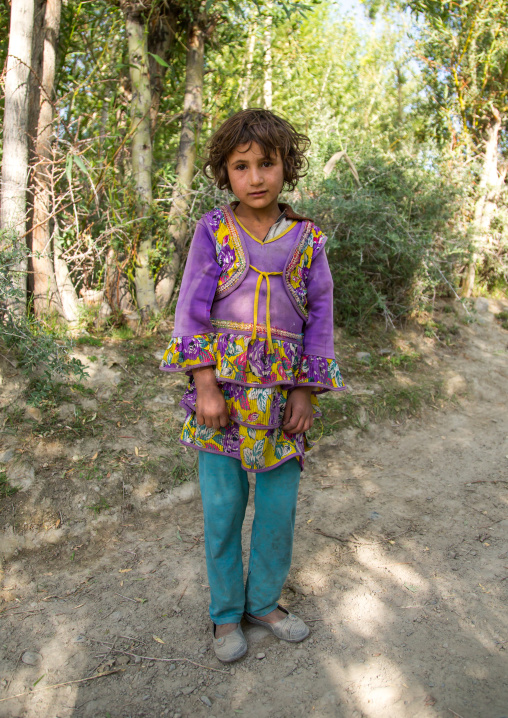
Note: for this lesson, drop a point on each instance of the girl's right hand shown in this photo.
(211, 408)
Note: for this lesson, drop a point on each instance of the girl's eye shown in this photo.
(267, 164)
(240, 167)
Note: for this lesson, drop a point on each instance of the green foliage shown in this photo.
(100, 505)
(392, 241)
(503, 318)
(5, 487)
(42, 351)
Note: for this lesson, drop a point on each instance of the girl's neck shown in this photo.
(258, 216)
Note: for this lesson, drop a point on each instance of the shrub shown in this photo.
(392, 240)
(41, 352)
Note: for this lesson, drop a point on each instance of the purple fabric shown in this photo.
(318, 331)
(271, 257)
(196, 300)
(199, 283)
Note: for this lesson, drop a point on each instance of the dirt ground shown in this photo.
(400, 562)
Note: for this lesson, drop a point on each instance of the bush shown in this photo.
(392, 240)
(39, 350)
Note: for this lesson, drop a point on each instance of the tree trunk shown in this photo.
(69, 304)
(251, 44)
(117, 291)
(13, 201)
(161, 36)
(267, 46)
(141, 157)
(490, 183)
(45, 290)
(191, 127)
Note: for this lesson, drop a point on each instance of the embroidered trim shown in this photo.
(240, 263)
(262, 241)
(246, 327)
(295, 260)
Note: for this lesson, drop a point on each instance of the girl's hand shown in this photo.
(298, 416)
(211, 409)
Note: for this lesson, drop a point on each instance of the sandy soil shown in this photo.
(400, 562)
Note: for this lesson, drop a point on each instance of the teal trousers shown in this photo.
(224, 492)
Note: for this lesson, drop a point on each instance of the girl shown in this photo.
(254, 332)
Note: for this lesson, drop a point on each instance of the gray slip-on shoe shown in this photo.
(291, 628)
(231, 647)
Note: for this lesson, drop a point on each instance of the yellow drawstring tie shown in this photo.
(263, 275)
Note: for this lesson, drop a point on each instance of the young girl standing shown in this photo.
(254, 332)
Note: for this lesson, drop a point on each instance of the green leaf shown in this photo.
(68, 167)
(158, 59)
(79, 162)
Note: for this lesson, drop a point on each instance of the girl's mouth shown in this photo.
(258, 194)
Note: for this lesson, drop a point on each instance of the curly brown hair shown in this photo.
(271, 132)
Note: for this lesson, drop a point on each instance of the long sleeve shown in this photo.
(318, 367)
(191, 344)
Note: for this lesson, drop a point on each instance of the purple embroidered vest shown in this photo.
(233, 258)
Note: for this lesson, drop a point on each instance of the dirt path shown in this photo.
(400, 566)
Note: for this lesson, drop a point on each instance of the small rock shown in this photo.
(233, 671)
(164, 399)
(385, 352)
(145, 698)
(187, 691)
(105, 311)
(363, 357)
(374, 515)
(260, 656)
(33, 413)
(31, 658)
(482, 304)
(159, 354)
(20, 474)
(6, 456)
(137, 659)
(66, 412)
(206, 701)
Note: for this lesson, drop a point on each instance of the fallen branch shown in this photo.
(60, 685)
(337, 538)
(168, 660)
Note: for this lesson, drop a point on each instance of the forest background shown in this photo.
(107, 106)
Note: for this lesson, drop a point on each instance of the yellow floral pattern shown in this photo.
(298, 269)
(255, 383)
(254, 434)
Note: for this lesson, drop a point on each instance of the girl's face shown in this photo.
(255, 180)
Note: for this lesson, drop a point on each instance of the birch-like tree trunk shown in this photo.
(267, 47)
(141, 156)
(13, 197)
(45, 290)
(191, 126)
(491, 181)
(251, 45)
(69, 303)
(161, 36)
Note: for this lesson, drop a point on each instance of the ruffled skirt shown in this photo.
(255, 384)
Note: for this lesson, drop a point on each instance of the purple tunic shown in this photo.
(218, 331)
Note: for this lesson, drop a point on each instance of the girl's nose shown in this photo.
(255, 176)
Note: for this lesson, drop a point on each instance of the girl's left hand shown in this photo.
(299, 415)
